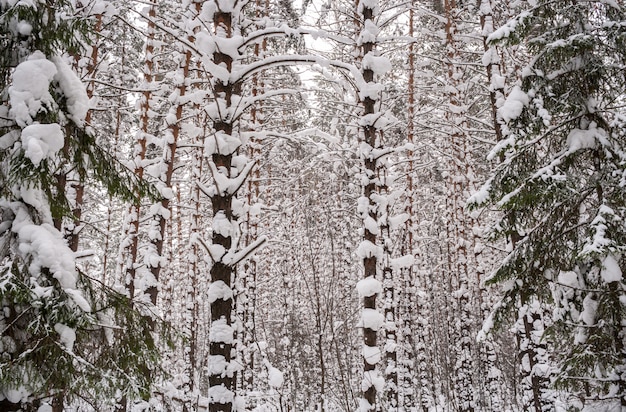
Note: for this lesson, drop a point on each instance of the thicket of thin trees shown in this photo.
(268, 205)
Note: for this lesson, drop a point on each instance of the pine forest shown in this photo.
(313, 205)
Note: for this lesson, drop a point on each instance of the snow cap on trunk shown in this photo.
(369, 287)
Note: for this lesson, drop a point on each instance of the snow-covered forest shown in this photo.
(313, 205)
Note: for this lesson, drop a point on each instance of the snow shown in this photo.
(221, 225)
(255, 209)
(611, 271)
(371, 225)
(225, 184)
(219, 290)
(78, 299)
(29, 93)
(275, 377)
(216, 365)
(67, 336)
(371, 354)
(378, 64)
(371, 319)
(368, 4)
(24, 28)
(590, 306)
(73, 90)
(370, 90)
(221, 332)
(568, 278)
(599, 236)
(223, 143)
(372, 378)
(15, 395)
(42, 141)
(402, 262)
(481, 336)
(578, 139)
(364, 405)
(481, 195)
(229, 46)
(48, 249)
(513, 105)
(369, 287)
(367, 249)
(508, 28)
(220, 394)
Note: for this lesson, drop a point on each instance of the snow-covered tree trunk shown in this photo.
(370, 204)
(129, 256)
(460, 174)
(229, 171)
(534, 360)
(247, 296)
(492, 63)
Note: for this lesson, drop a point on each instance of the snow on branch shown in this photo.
(227, 185)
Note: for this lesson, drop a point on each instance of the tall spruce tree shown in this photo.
(54, 345)
(560, 185)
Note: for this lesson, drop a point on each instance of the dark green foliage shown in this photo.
(561, 186)
(92, 163)
(41, 291)
(56, 26)
(99, 366)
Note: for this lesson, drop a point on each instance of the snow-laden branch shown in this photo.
(286, 60)
(229, 185)
(238, 257)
